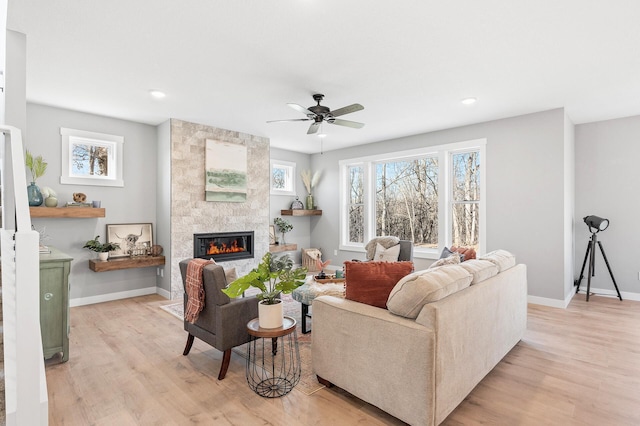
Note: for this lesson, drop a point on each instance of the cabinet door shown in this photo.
(53, 307)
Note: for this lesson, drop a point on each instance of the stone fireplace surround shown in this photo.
(191, 214)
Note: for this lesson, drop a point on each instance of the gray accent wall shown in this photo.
(607, 176)
(528, 177)
(301, 232)
(133, 203)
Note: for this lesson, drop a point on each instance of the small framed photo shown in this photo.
(272, 234)
(135, 239)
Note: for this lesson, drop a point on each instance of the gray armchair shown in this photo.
(222, 323)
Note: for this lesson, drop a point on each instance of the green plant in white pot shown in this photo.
(102, 249)
(273, 276)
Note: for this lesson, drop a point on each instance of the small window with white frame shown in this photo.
(283, 177)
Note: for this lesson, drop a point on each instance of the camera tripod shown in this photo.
(591, 255)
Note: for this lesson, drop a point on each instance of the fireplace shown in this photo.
(223, 246)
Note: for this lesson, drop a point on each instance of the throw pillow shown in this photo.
(480, 269)
(468, 252)
(447, 252)
(230, 274)
(371, 282)
(451, 260)
(501, 258)
(373, 243)
(409, 296)
(387, 254)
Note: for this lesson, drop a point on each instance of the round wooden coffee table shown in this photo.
(273, 358)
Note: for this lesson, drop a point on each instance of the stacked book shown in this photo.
(44, 249)
(70, 204)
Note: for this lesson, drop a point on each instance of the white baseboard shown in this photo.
(555, 303)
(545, 301)
(81, 301)
(611, 293)
(164, 293)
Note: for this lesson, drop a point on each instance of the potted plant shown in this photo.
(272, 276)
(100, 248)
(310, 181)
(37, 166)
(283, 225)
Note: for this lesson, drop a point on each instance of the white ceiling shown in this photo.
(236, 64)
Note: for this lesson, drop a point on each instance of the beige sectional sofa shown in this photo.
(419, 370)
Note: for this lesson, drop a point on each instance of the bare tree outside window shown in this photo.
(356, 204)
(407, 200)
(465, 199)
(92, 160)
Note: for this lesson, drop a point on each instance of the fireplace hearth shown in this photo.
(223, 246)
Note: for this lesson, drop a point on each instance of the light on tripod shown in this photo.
(597, 223)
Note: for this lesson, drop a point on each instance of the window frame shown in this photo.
(444, 153)
(290, 178)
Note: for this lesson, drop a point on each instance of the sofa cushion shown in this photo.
(480, 269)
(412, 292)
(371, 282)
(387, 254)
(501, 258)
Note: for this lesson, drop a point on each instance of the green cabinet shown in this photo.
(54, 303)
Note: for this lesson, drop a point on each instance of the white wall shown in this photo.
(607, 176)
(525, 192)
(134, 203)
(569, 204)
(301, 232)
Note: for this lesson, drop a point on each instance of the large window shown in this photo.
(431, 196)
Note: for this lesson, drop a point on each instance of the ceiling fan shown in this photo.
(319, 113)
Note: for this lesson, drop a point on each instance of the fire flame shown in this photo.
(223, 248)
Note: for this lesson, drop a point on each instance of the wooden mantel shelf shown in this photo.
(301, 212)
(118, 263)
(277, 248)
(72, 212)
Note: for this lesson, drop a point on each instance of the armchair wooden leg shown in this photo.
(187, 348)
(226, 358)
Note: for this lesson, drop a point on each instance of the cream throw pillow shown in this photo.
(480, 269)
(386, 255)
(415, 290)
(230, 274)
(501, 258)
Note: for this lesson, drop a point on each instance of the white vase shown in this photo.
(103, 255)
(270, 316)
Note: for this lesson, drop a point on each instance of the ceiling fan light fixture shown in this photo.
(469, 101)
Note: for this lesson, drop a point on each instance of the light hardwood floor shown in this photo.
(579, 366)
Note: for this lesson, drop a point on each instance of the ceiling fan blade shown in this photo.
(313, 128)
(301, 109)
(293, 119)
(347, 123)
(347, 110)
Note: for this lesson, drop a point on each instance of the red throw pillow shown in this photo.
(468, 252)
(371, 282)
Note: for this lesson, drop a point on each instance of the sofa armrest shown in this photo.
(475, 328)
(379, 357)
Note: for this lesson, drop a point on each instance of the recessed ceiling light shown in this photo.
(469, 101)
(322, 135)
(158, 94)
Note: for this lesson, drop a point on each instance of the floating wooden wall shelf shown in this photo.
(301, 212)
(118, 263)
(69, 212)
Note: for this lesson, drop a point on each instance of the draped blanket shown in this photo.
(195, 289)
